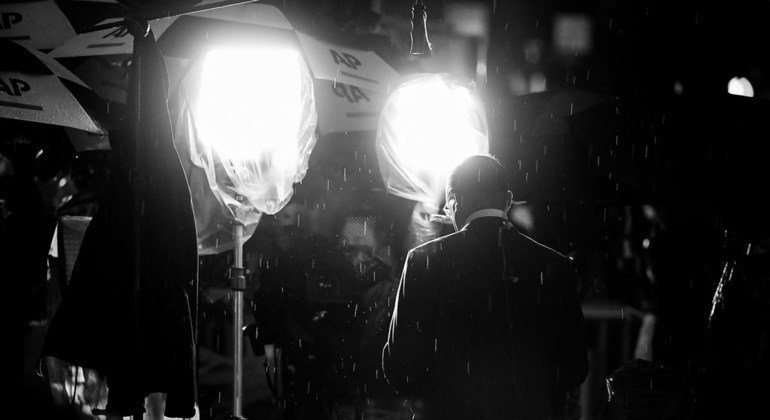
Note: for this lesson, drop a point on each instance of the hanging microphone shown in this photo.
(419, 34)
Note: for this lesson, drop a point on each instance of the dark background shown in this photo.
(649, 62)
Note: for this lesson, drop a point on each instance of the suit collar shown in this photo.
(484, 214)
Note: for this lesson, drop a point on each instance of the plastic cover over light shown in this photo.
(252, 116)
(429, 124)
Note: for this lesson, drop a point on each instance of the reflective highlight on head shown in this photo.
(478, 182)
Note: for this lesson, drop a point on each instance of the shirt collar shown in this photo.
(484, 213)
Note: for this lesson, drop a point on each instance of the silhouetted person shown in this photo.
(487, 323)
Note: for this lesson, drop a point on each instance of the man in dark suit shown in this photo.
(487, 322)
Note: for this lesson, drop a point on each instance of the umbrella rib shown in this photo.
(106, 44)
(23, 106)
(355, 76)
(17, 38)
(362, 114)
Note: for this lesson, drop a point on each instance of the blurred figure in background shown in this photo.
(365, 248)
(304, 310)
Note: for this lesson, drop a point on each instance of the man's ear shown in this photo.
(453, 197)
(458, 202)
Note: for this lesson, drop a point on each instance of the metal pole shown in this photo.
(136, 173)
(138, 29)
(238, 278)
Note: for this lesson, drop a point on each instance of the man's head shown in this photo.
(476, 183)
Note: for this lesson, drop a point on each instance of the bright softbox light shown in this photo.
(254, 120)
(429, 124)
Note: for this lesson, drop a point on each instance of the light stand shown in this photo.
(254, 117)
(238, 284)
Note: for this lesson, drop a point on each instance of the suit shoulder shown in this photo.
(542, 252)
(437, 245)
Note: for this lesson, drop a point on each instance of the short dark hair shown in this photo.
(479, 179)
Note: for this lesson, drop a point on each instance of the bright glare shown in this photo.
(250, 102)
(740, 86)
(436, 126)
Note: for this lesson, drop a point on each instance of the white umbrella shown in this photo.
(117, 41)
(350, 66)
(347, 108)
(35, 24)
(351, 85)
(36, 88)
(116, 44)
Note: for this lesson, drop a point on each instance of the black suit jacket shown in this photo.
(477, 343)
